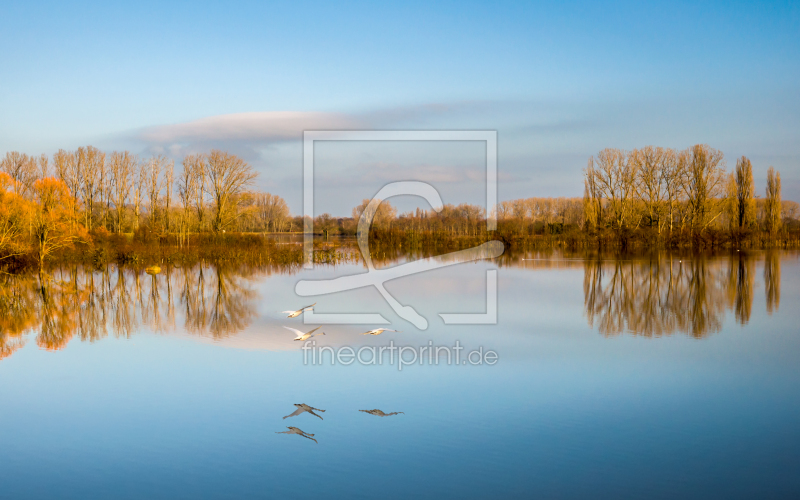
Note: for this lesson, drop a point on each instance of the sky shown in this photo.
(558, 82)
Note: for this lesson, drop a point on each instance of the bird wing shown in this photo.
(297, 332)
(312, 412)
(314, 330)
(288, 312)
(308, 307)
(296, 412)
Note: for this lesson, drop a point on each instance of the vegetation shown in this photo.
(73, 205)
(91, 207)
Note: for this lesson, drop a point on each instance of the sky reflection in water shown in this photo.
(658, 377)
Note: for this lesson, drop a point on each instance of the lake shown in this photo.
(665, 376)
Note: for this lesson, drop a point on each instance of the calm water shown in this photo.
(665, 377)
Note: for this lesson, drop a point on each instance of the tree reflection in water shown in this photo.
(665, 294)
(656, 296)
(216, 301)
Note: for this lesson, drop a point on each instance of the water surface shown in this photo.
(659, 377)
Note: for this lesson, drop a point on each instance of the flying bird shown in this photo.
(302, 407)
(378, 331)
(305, 336)
(295, 430)
(379, 413)
(294, 314)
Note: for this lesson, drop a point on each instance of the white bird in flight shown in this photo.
(302, 407)
(305, 336)
(378, 331)
(295, 430)
(294, 314)
(379, 413)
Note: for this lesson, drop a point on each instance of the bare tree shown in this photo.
(650, 183)
(122, 166)
(615, 178)
(228, 176)
(93, 162)
(139, 183)
(169, 175)
(43, 164)
(22, 170)
(194, 166)
(156, 166)
(188, 181)
(705, 184)
(674, 170)
(271, 211)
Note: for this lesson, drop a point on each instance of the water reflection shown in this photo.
(295, 430)
(302, 408)
(663, 295)
(216, 300)
(772, 280)
(379, 413)
(658, 295)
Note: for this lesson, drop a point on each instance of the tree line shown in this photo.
(653, 190)
(667, 190)
(48, 203)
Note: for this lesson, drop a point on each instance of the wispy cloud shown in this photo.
(263, 128)
(266, 126)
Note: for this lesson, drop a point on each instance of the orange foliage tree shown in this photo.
(54, 225)
(14, 215)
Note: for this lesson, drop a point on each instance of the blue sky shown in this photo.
(558, 81)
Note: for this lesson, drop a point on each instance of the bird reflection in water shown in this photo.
(379, 413)
(304, 408)
(295, 430)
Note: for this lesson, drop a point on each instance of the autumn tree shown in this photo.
(592, 203)
(53, 227)
(14, 216)
(745, 201)
(772, 202)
